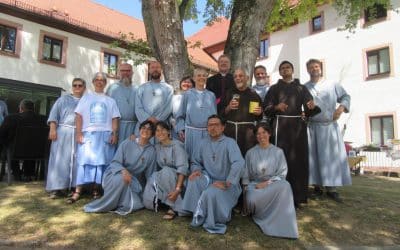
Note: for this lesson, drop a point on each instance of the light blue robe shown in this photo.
(171, 161)
(118, 196)
(153, 100)
(61, 173)
(327, 153)
(272, 207)
(261, 90)
(218, 160)
(192, 117)
(124, 96)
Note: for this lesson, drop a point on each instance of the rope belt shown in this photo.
(277, 124)
(238, 124)
(195, 128)
(126, 121)
(72, 159)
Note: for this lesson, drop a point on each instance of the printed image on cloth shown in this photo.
(98, 113)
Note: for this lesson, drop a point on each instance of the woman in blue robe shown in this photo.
(124, 179)
(185, 84)
(61, 171)
(166, 184)
(267, 196)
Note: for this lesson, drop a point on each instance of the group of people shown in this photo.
(201, 150)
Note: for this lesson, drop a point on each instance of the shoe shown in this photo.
(74, 198)
(334, 196)
(170, 215)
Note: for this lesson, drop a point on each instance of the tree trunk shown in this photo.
(247, 24)
(164, 31)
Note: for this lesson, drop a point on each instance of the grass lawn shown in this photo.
(370, 216)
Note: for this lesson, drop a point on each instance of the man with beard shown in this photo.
(241, 107)
(328, 167)
(262, 81)
(154, 98)
(123, 92)
(221, 82)
(285, 102)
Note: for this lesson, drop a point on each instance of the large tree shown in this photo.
(163, 21)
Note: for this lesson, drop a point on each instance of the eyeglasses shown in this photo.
(77, 85)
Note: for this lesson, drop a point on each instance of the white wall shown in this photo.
(342, 54)
(83, 59)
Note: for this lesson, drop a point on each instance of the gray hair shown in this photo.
(102, 74)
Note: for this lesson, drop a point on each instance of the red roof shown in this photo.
(212, 34)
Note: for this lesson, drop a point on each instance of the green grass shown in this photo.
(370, 216)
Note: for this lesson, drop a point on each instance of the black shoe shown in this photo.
(317, 193)
(334, 196)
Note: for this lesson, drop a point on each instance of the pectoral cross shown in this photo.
(142, 159)
(213, 156)
(154, 93)
(165, 160)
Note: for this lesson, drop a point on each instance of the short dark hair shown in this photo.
(163, 125)
(286, 62)
(260, 67)
(263, 125)
(145, 123)
(312, 61)
(222, 120)
(184, 79)
(27, 105)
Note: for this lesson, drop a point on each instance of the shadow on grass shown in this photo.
(28, 218)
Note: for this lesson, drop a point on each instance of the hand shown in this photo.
(132, 137)
(152, 120)
(114, 139)
(338, 112)
(233, 104)
(220, 184)
(126, 177)
(181, 135)
(257, 111)
(194, 175)
(263, 184)
(282, 107)
(53, 135)
(79, 137)
(172, 196)
(310, 105)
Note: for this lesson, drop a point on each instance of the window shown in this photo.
(376, 12)
(110, 63)
(52, 49)
(378, 61)
(382, 129)
(8, 38)
(317, 23)
(264, 46)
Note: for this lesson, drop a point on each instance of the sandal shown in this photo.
(96, 195)
(170, 215)
(74, 197)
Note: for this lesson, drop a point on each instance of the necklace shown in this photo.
(214, 149)
(165, 151)
(201, 95)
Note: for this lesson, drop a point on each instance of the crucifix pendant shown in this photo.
(154, 93)
(213, 157)
(165, 161)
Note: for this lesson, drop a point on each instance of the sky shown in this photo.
(133, 8)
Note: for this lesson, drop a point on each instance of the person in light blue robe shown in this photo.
(124, 94)
(262, 81)
(125, 178)
(185, 84)
(197, 105)
(267, 195)
(154, 98)
(167, 184)
(327, 153)
(61, 173)
(213, 187)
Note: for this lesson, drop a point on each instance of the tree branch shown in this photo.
(182, 8)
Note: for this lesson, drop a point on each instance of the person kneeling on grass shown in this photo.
(166, 184)
(125, 177)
